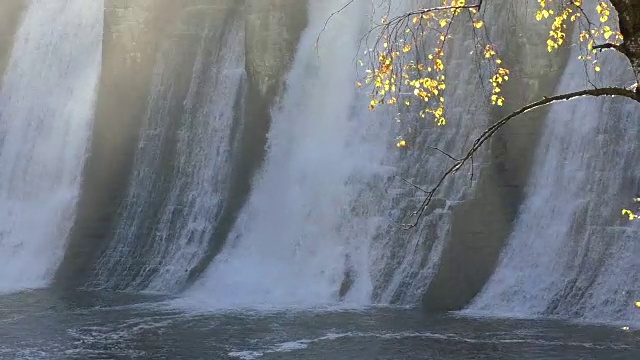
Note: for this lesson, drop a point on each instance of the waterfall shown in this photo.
(295, 239)
(183, 194)
(182, 164)
(46, 106)
(320, 213)
(571, 253)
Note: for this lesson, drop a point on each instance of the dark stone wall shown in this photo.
(132, 33)
(482, 224)
(11, 12)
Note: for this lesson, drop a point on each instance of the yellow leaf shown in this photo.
(637, 304)
(539, 15)
(630, 214)
(478, 24)
(489, 51)
(401, 144)
(439, 65)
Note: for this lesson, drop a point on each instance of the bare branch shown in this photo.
(423, 11)
(329, 19)
(490, 131)
(412, 184)
(443, 153)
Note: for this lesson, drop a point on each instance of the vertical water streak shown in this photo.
(201, 182)
(46, 106)
(181, 168)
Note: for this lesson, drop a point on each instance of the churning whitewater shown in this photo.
(46, 108)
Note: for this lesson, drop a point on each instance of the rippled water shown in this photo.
(45, 325)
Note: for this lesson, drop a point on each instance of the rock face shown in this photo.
(481, 225)
(629, 15)
(10, 16)
(273, 31)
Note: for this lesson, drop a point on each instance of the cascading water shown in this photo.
(317, 223)
(46, 105)
(322, 221)
(295, 241)
(571, 254)
(182, 164)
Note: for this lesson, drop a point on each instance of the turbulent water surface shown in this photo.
(42, 325)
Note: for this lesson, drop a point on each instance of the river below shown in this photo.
(48, 325)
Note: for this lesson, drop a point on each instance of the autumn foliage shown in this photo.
(407, 63)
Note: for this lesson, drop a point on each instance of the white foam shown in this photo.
(246, 355)
(46, 108)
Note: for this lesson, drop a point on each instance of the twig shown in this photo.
(324, 27)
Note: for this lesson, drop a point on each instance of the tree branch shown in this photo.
(490, 131)
(443, 153)
(428, 10)
(324, 27)
(412, 184)
(439, 8)
(610, 46)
